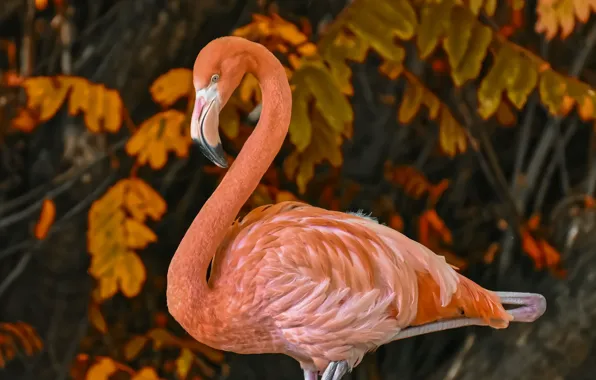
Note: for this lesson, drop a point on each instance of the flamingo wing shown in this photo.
(336, 285)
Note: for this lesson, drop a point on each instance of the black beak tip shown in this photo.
(214, 154)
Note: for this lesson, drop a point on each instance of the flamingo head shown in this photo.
(218, 70)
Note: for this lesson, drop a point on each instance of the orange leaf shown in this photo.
(530, 246)
(41, 4)
(172, 86)
(491, 252)
(146, 373)
(96, 318)
(415, 183)
(102, 369)
(134, 346)
(438, 225)
(534, 222)
(17, 337)
(46, 219)
(396, 222)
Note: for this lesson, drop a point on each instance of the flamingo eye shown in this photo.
(214, 78)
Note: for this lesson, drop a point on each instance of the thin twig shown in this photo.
(546, 178)
(18, 270)
(524, 139)
(17, 216)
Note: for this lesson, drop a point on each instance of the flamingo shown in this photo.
(323, 287)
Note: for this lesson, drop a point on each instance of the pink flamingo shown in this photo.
(323, 287)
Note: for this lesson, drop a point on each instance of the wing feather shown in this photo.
(336, 285)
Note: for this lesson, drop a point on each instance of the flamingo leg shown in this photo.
(310, 375)
(335, 370)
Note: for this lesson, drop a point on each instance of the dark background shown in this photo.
(126, 44)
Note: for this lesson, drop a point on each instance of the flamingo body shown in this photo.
(324, 286)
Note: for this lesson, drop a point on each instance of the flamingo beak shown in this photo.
(204, 125)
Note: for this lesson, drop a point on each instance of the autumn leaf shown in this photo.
(538, 249)
(316, 131)
(555, 15)
(146, 373)
(487, 6)
(434, 234)
(175, 84)
(280, 35)
(115, 230)
(452, 136)
(366, 25)
(40, 5)
(183, 363)
(102, 369)
(46, 219)
(96, 318)
(17, 337)
(167, 131)
(134, 346)
(414, 183)
(161, 337)
(515, 72)
(325, 146)
(102, 107)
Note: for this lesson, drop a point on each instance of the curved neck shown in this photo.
(186, 282)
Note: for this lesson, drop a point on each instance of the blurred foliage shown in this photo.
(319, 67)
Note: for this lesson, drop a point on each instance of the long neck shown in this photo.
(187, 288)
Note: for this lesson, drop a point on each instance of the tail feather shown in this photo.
(469, 300)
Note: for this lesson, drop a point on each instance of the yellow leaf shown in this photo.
(17, 337)
(45, 95)
(46, 219)
(102, 107)
(101, 370)
(374, 24)
(115, 229)
(410, 105)
(561, 14)
(283, 196)
(459, 34)
(134, 346)
(452, 136)
(159, 135)
(315, 84)
(131, 273)
(477, 49)
(146, 373)
(434, 19)
(552, 90)
(325, 145)
(137, 234)
(161, 337)
(96, 318)
(492, 86)
(168, 88)
(183, 363)
(249, 89)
